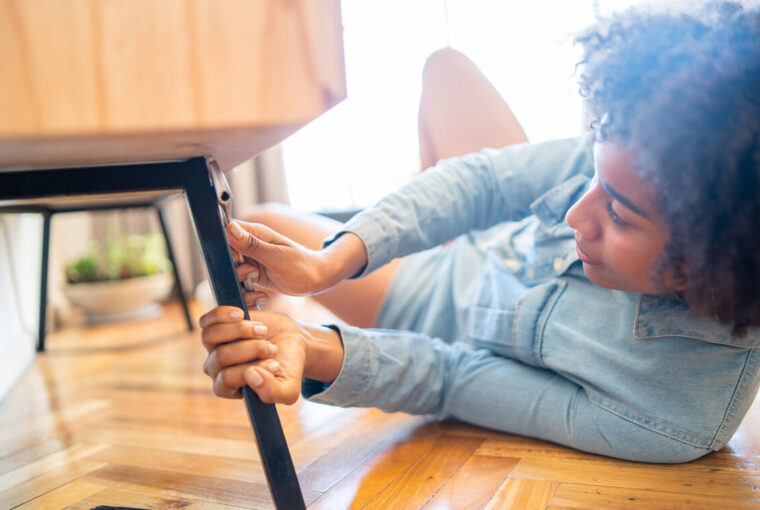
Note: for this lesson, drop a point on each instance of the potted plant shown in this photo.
(124, 278)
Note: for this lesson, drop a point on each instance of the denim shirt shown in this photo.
(641, 361)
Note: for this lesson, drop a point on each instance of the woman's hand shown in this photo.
(268, 353)
(278, 263)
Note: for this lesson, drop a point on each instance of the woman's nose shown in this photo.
(580, 217)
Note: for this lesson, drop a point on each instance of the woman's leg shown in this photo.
(460, 111)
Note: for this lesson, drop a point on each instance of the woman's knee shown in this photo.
(308, 229)
(264, 213)
(443, 63)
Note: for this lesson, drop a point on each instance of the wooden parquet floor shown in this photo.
(123, 416)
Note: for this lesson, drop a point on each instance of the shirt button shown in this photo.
(559, 263)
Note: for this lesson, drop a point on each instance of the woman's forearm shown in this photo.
(324, 353)
(343, 258)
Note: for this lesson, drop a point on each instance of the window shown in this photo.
(366, 146)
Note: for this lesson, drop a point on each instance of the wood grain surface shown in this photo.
(88, 81)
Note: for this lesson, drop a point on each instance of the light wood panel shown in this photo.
(361, 485)
(88, 81)
(603, 498)
(415, 486)
(131, 421)
(473, 485)
(523, 494)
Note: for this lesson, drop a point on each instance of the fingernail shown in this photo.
(253, 274)
(272, 349)
(260, 329)
(236, 314)
(237, 231)
(262, 301)
(253, 377)
(273, 367)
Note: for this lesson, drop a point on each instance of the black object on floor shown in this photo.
(104, 507)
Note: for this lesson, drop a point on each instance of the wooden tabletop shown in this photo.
(115, 81)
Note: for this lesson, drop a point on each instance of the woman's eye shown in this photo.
(614, 216)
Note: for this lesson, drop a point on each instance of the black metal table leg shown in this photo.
(46, 216)
(278, 466)
(177, 279)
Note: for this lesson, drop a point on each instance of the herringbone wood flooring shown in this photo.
(123, 416)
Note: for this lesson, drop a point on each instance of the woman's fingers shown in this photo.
(271, 342)
(221, 314)
(236, 353)
(227, 382)
(283, 265)
(253, 241)
(257, 298)
(222, 333)
(248, 270)
(271, 388)
(262, 376)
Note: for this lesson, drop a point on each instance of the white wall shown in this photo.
(20, 260)
(20, 248)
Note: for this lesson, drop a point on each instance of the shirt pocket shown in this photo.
(506, 317)
(491, 312)
(491, 328)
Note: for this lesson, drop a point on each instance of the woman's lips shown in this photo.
(585, 258)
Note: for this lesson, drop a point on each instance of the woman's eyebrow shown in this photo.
(620, 198)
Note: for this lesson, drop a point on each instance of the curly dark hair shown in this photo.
(681, 91)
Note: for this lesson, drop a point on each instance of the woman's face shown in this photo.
(618, 233)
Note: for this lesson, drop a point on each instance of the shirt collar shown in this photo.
(551, 207)
(662, 316)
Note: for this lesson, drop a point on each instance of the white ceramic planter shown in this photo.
(118, 300)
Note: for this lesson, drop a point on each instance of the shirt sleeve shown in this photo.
(390, 370)
(417, 374)
(459, 195)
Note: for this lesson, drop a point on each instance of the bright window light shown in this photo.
(367, 146)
